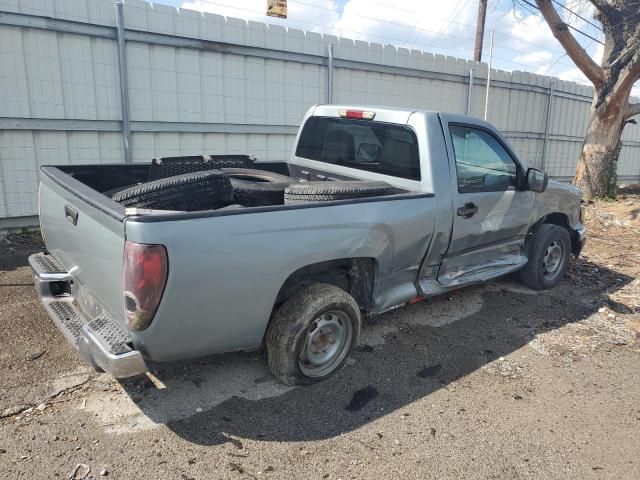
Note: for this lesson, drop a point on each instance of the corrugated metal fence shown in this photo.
(201, 83)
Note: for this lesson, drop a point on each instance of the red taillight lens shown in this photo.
(144, 276)
(357, 114)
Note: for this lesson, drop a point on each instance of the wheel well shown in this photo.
(559, 219)
(355, 276)
(562, 220)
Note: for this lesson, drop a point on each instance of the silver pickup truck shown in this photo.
(129, 285)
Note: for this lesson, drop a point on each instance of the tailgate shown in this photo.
(84, 230)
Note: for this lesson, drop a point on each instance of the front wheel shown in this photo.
(312, 333)
(548, 253)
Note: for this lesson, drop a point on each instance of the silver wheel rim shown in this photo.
(553, 260)
(326, 344)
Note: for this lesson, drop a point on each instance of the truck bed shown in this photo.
(92, 182)
(106, 177)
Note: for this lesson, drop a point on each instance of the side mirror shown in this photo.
(368, 152)
(537, 180)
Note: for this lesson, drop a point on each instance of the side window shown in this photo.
(482, 163)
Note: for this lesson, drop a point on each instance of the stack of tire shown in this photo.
(216, 185)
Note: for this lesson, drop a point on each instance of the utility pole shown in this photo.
(482, 15)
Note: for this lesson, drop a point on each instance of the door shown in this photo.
(491, 211)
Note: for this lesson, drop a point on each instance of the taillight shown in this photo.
(144, 276)
(357, 114)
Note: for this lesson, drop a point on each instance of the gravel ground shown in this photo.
(493, 381)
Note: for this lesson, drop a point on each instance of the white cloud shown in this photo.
(526, 32)
(523, 40)
(410, 23)
(573, 75)
(535, 58)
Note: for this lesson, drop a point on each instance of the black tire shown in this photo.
(253, 187)
(536, 273)
(287, 333)
(334, 190)
(187, 192)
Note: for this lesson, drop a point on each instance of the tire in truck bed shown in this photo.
(253, 187)
(190, 191)
(339, 190)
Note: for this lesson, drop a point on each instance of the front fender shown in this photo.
(559, 198)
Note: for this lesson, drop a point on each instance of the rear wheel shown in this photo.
(548, 252)
(312, 333)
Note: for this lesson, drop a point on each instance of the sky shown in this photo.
(522, 39)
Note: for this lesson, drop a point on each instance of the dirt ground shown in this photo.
(492, 381)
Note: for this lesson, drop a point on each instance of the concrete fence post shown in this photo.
(124, 84)
(547, 121)
(469, 92)
(330, 74)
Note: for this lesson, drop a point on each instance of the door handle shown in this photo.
(468, 210)
(71, 214)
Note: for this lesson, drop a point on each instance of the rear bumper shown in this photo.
(102, 342)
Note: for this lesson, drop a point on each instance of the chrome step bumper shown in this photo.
(101, 341)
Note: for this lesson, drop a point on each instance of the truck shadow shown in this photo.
(16, 248)
(412, 352)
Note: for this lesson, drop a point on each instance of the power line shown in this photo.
(557, 61)
(410, 34)
(577, 15)
(535, 45)
(444, 27)
(568, 25)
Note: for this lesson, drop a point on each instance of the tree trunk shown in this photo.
(596, 171)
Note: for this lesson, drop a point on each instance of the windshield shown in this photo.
(363, 144)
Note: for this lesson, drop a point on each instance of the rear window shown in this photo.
(372, 146)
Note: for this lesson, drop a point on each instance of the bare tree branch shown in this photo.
(622, 89)
(575, 51)
(633, 109)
